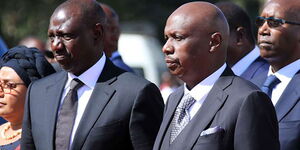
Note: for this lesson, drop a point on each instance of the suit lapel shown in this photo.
(52, 101)
(289, 98)
(168, 116)
(212, 104)
(260, 79)
(258, 66)
(101, 95)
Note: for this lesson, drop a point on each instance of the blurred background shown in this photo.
(142, 25)
(20, 18)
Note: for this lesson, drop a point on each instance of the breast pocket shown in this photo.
(289, 134)
(107, 129)
(210, 142)
(107, 136)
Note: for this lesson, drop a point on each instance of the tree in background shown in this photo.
(21, 18)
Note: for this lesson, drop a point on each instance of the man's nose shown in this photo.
(167, 48)
(264, 29)
(56, 44)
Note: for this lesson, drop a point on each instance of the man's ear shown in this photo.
(215, 42)
(99, 32)
(240, 35)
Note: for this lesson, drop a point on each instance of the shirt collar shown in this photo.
(115, 54)
(90, 76)
(240, 67)
(205, 85)
(286, 73)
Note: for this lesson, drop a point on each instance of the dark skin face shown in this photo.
(190, 46)
(279, 45)
(74, 43)
(112, 32)
(238, 47)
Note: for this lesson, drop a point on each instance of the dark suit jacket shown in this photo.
(288, 113)
(124, 112)
(259, 66)
(245, 115)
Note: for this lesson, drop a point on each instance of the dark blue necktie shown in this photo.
(269, 84)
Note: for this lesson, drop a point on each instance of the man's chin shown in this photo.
(177, 73)
(66, 67)
(269, 56)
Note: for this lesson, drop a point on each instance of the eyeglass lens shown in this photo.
(272, 22)
(8, 86)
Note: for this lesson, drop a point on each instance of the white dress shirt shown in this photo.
(89, 78)
(285, 75)
(241, 66)
(201, 90)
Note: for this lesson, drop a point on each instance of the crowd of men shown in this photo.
(237, 93)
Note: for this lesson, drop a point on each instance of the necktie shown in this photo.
(269, 84)
(181, 117)
(67, 116)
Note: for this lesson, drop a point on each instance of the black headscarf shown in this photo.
(29, 63)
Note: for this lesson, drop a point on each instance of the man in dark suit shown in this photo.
(242, 53)
(214, 109)
(92, 104)
(112, 35)
(278, 41)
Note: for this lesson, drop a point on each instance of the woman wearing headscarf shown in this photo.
(19, 67)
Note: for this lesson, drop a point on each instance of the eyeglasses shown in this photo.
(6, 87)
(272, 22)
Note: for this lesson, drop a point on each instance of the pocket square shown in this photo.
(211, 130)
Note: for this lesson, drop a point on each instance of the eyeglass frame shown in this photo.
(278, 20)
(2, 89)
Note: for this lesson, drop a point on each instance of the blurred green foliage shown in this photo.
(21, 18)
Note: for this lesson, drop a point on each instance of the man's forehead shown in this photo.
(271, 9)
(67, 24)
(65, 16)
(185, 21)
(61, 14)
(178, 22)
(66, 12)
(179, 18)
(281, 7)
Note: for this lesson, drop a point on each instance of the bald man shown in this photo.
(92, 104)
(111, 38)
(214, 109)
(279, 43)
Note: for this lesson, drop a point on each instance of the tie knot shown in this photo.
(75, 84)
(187, 101)
(271, 81)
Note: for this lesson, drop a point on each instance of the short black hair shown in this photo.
(237, 17)
(90, 10)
